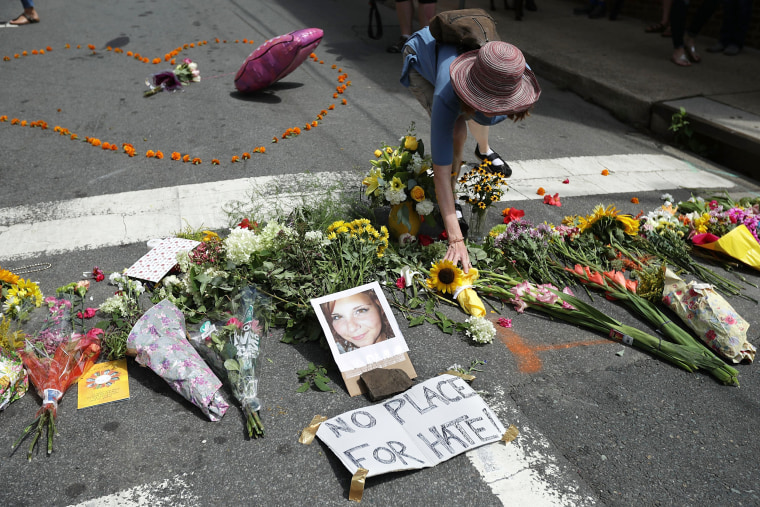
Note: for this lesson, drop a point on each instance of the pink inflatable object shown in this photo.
(276, 58)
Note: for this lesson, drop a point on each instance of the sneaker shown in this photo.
(398, 46)
(732, 50)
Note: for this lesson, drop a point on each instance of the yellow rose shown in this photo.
(410, 143)
(418, 193)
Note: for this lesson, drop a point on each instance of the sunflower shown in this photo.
(630, 224)
(8, 277)
(444, 277)
(599, 213)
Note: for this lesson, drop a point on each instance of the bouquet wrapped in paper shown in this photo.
(710, 316)
(159, 341)
(233, 349)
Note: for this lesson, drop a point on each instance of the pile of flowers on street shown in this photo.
(202, 326)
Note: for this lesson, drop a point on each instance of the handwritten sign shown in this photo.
(430, 423)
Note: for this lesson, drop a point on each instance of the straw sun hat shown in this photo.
(494, 79)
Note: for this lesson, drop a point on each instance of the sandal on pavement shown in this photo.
(23, 16)
(656, 28)
(681, 60)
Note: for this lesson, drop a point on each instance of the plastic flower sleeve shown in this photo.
(14, 380)
(233, 349)
(710, 316)
(159, 341)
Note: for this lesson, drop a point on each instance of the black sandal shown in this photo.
(502, 168)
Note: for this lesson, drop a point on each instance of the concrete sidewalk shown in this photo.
(620, 67)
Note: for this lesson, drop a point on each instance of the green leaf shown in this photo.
(416, 321)
(231, 365)
(322, 384)
(303, 388)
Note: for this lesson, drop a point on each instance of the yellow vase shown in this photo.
(404, 218)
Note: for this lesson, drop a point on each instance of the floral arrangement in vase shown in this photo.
(402, 177)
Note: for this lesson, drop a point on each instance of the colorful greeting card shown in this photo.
(104, 383)
(155, 264)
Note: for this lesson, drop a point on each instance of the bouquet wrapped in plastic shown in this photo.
(14, 380)
(233, 349)
(159, 341)
(710, 316)
(53, 374)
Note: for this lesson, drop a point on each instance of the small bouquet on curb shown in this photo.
(52, 376)
(173, 80)
(233, 350)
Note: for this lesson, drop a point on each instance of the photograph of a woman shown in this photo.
(357, 321)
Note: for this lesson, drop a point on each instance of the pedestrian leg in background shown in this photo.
(27, 17)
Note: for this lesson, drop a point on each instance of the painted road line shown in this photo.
(526, 471)
(173, 491)
(132, 217)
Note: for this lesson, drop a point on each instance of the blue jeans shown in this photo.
(28, 4)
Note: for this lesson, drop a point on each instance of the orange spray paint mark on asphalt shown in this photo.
(526, 355)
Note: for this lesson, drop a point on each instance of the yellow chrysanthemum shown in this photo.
(332, 236)
(378, 153)
(701, 223)
(8, 277)
(444, 277)
(25, 289)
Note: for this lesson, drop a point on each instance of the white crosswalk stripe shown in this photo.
(130, 217)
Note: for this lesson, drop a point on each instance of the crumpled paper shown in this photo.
(467, 297)
(159, 341)
(710, 316)
(14, 380)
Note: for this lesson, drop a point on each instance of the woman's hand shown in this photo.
(457, 253)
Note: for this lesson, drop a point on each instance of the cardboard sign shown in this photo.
(155, 264)
(430, 423)
(103, 383)
(362, 333)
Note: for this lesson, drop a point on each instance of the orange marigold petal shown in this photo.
(540, 191)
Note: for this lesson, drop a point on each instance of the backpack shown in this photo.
(467, 29)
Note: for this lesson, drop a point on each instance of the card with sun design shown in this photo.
(103, 383)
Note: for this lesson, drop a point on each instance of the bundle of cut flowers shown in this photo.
(233, 350)
(565, 306)
(173, 80)
(399, 174)
(52, 374)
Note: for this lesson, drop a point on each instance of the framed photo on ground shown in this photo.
(362, 333)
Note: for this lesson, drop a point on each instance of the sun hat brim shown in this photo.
(521, 98)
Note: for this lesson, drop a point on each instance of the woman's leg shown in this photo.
(425, 11)
(29, 16)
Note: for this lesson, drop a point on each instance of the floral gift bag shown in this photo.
(159, 341)
(710, 316)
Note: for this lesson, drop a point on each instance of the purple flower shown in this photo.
(167, 80)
